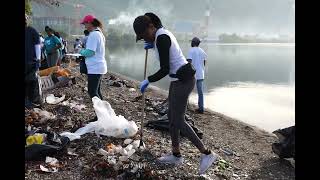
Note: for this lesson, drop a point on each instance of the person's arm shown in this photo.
(189, 59)
(91, 45)
(163, 45)
(86, 52)
(37, 48)
(58, 44)
(205, 56)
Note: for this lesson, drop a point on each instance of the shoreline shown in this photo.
(165, 93)
(251, 155)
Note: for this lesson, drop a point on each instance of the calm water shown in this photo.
(253, 83)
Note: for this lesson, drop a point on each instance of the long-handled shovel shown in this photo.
(143, 100)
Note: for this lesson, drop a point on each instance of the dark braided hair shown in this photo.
(154, 19)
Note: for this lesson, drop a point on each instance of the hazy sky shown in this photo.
(230, 16)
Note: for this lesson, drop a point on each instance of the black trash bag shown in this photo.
(162, 124)
(162, 108)
(286, 147)
(54, 144)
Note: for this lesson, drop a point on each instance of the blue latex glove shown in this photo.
(148, 45)
(86, 52)
(143, 85)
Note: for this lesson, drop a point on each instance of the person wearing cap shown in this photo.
(52, 45)
(94, 54)
(149, 28)
(198, 57)
(84, 39)
(32, 64)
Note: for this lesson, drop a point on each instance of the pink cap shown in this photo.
(87, 19)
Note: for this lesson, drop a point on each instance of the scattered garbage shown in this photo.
(38, 116)
(108, 123)
(131, 152)
(51, 145)
(53, 162)
(71, 152)
(74, 105)
(51, 99)
(123, 158)
(127, 141)
(228, 152)
(116, 82)
(103, 152)
(132, 90)
(37, 138)
(115, 155)
(51, 170)
(162, 108)
(71, 136)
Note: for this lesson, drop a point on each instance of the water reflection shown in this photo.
(254, 83)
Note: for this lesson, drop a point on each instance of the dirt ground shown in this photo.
(251, 155)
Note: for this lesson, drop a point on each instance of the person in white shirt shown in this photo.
(198, 57)
(94, 54)
(42, 47)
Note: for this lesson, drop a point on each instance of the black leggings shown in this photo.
(94, 82)
(178, 97)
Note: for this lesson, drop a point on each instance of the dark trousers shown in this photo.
(32, 85)
(178, 97)
(94, 85)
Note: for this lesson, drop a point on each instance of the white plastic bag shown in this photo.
(108, 123)
(51, 99)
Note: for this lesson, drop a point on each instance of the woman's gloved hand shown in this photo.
(143, 85)
(148, 45)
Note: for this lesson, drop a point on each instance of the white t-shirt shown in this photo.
(96, 64)
(41, 41)
(197, 55)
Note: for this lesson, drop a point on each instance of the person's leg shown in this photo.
(49, 60)
(174, 158)
(93, 84)
(180, 94)
(174, 131)
(37, 93)
(27, 90)
(200, 94)
(55, 57)
(99, 87)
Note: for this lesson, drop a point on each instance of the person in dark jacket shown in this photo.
(32, 63)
